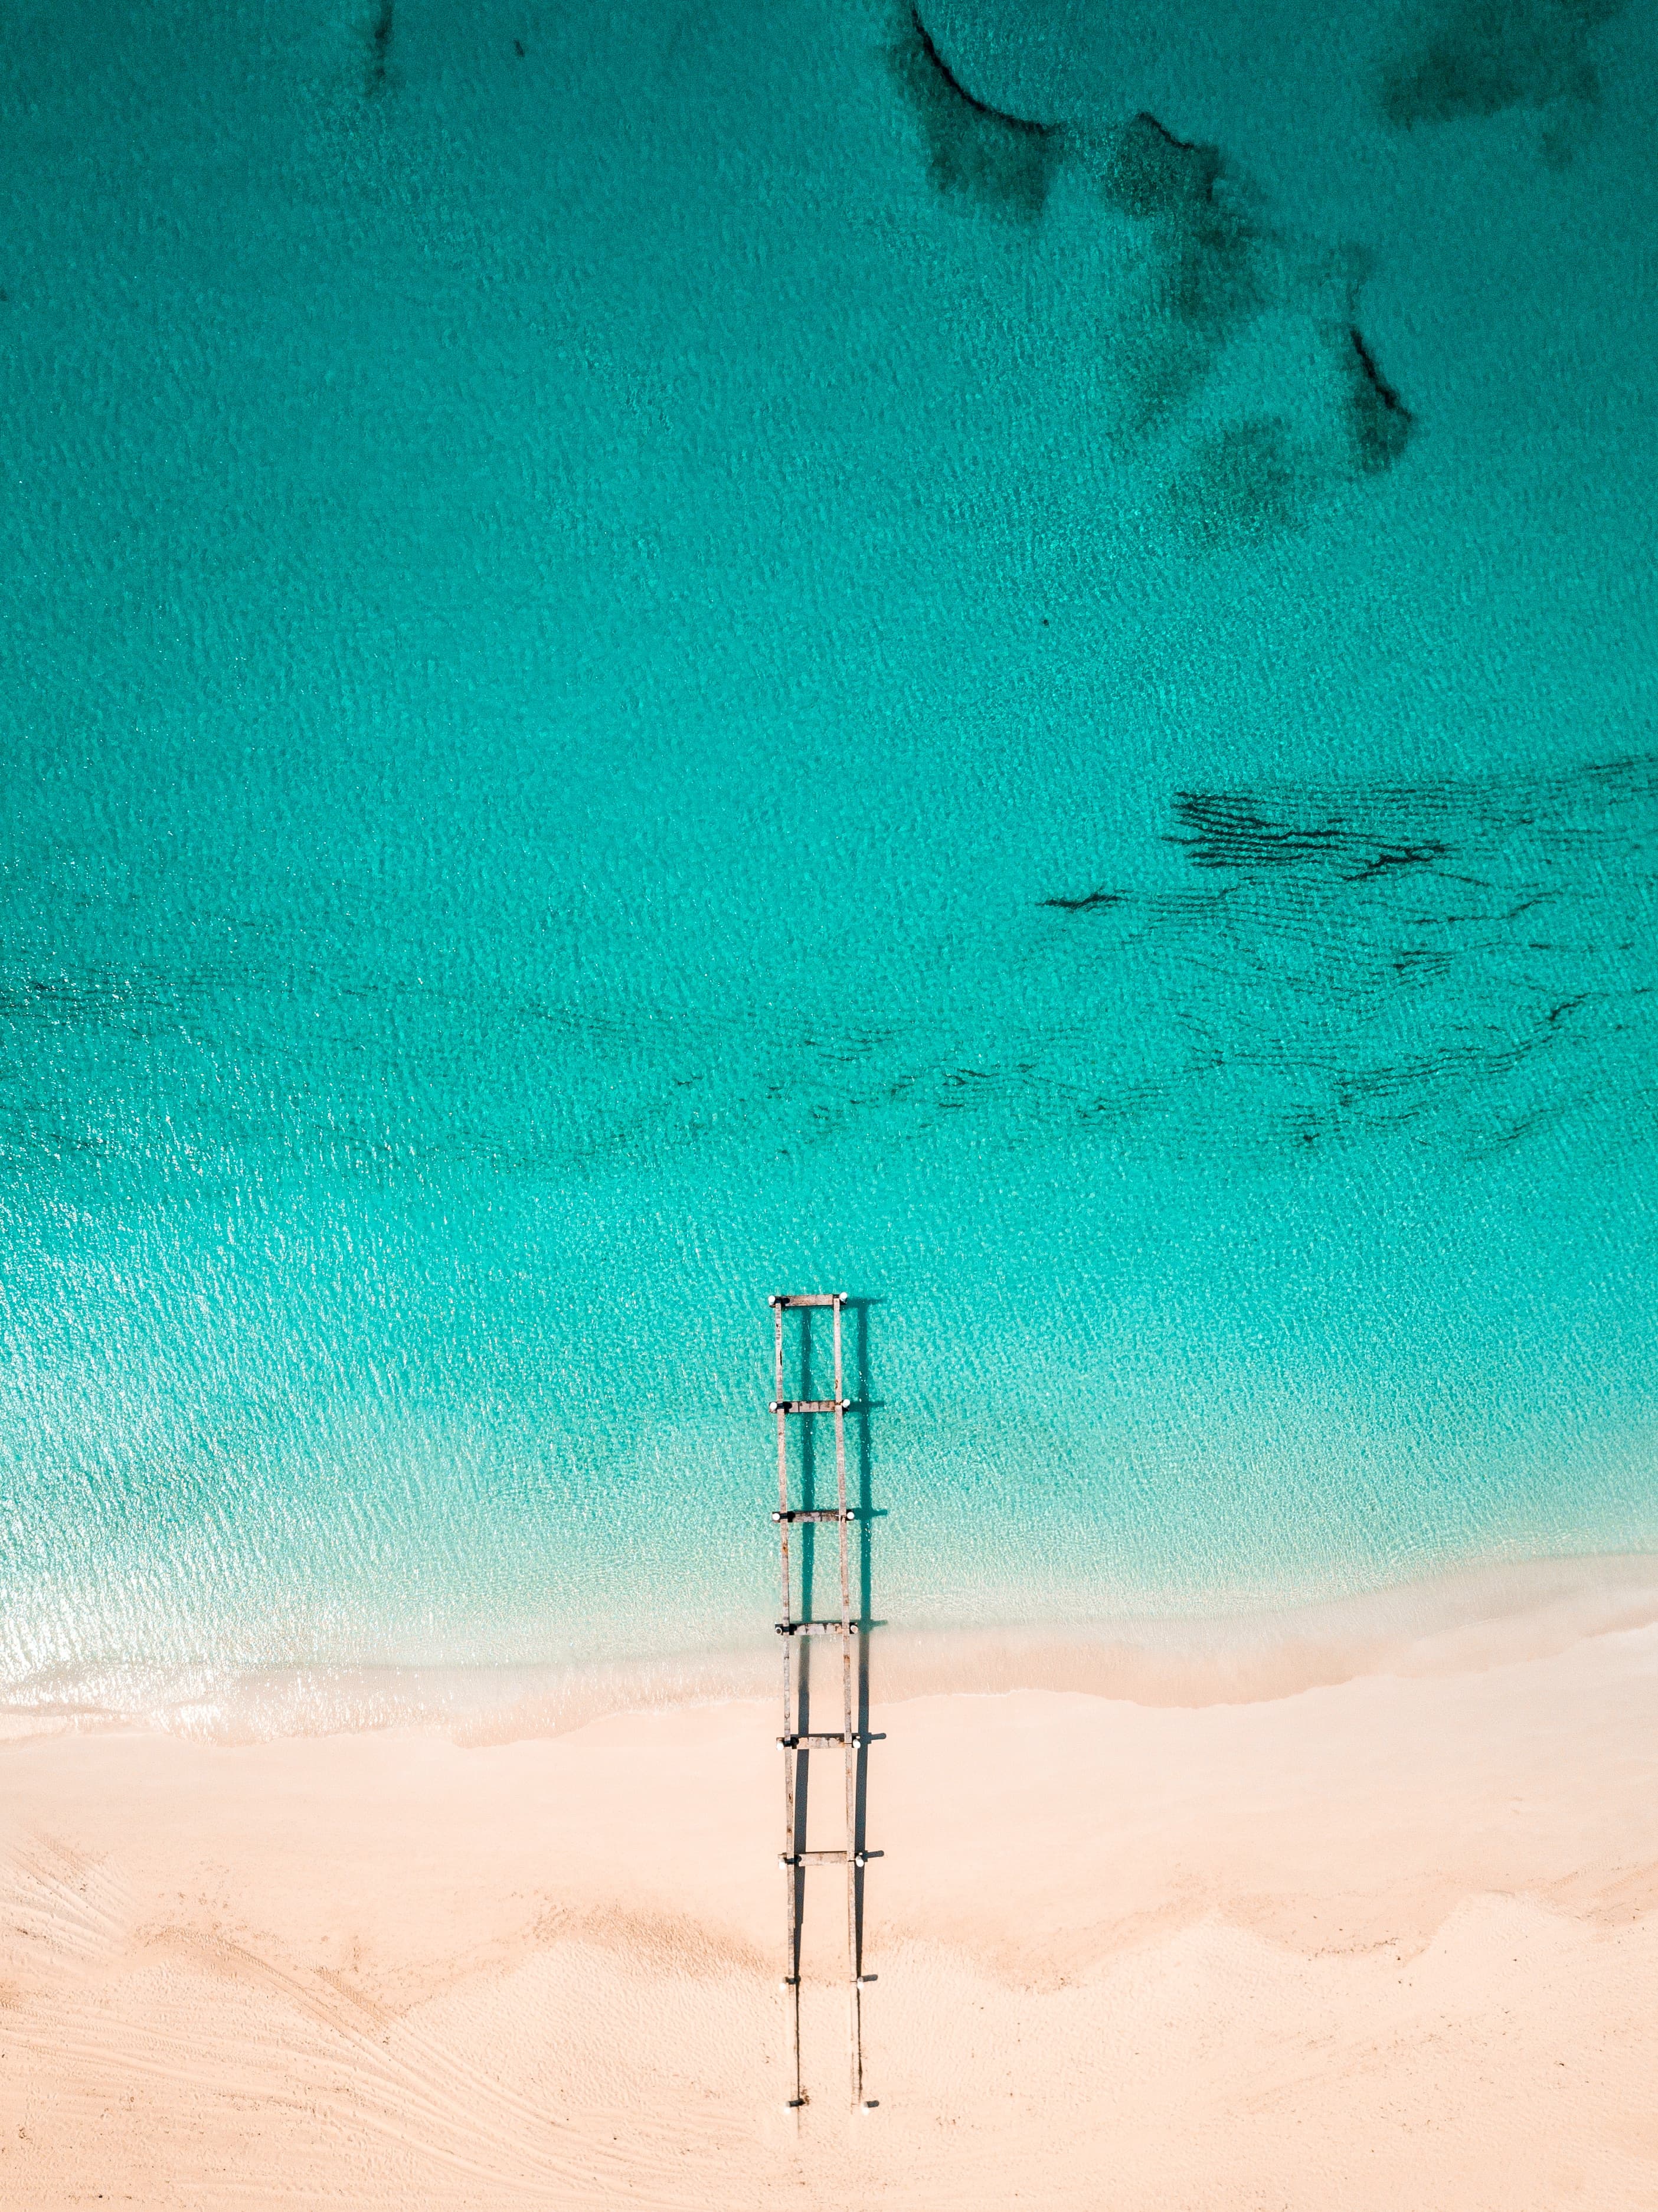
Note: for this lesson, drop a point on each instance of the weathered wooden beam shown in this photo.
(791, 1859)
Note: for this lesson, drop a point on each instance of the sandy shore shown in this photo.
(1389, 1943)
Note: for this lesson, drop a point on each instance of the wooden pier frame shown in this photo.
(797, 1745)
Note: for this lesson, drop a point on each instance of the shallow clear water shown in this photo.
(675, 664)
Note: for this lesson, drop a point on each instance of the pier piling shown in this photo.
(797, 1743)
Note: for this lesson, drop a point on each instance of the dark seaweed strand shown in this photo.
(1179, 145)
(1379, 383)
(1087, 903)
(980, 107)
(1227, 833)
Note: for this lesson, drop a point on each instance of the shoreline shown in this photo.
(1389, 1940)
(1481, 1614)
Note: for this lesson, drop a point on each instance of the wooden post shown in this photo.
(848, 1709)
(796, 1744)
(791, 1874)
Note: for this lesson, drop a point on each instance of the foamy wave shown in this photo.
(1478, 1617)
(482, 1704)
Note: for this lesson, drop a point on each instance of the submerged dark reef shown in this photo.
(1003, 160)
(1204, 284)
(1466, 57)
(1247, 480)
(1208, 272)
(380, 46)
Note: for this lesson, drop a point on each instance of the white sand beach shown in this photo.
(1389, 1943)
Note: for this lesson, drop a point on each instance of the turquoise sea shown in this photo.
(1003, 660)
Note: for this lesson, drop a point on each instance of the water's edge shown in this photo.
(1474, 1618)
